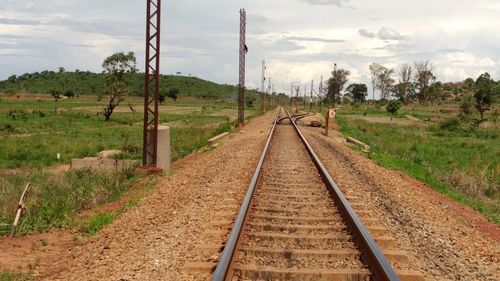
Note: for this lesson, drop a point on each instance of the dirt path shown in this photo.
(441, 236)
(155, 240)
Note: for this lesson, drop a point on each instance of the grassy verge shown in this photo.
(461, 163)
(9, 276)
(34, 132)
(54, 200)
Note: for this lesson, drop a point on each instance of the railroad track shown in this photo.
(295, 223)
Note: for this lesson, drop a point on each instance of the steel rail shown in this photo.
(225, 260)
(372, 255)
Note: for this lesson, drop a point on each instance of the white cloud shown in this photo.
(385, 33)
(326, 2)
(300, 40)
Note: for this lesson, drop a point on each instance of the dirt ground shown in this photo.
(387, 120)
(24, 254)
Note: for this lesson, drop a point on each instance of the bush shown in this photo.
(450, 124)
(393, 106)
(38, 112)
(7, 128)
(69, 94)
(467, 105)
(17, 114)
(249, 103)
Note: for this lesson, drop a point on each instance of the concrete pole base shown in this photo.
(163, 152)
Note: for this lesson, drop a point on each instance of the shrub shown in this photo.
(393, 106)
(7, 128)
(249, 103)
(450, 124)
(69, 94)
(17, 114)
(38, 112)
(467, 105)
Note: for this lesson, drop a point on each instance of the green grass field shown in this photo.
(454, 155)
(33, 131)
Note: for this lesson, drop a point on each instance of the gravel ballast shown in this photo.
(155, 239)
(440, 236)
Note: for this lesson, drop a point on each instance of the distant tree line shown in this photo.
(78, 83)
(414, 83)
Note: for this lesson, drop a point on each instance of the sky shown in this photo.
(299, 39)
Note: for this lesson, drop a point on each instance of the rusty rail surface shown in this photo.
(379, 267)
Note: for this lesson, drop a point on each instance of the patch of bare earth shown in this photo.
(26, 253)
(168, 230)
(387, 120)
(445, 240)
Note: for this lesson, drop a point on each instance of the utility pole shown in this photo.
(305, 96)
(294, 95)
(268, 92)
(297, 99)
(262, 86)
(272, 97)
(312, 89)
(243, 51)
(321, 86)
(152, 84)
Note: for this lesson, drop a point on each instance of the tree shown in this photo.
(375, 70)
(173, 93)
(357, 92)
(436, 91)
(12, 78)
(405, 75)
(336, 84)
(163, 96)
(61, 69)
(385, 82)
(484, 93)
(469, 83)
(116, 69)
(398, 91)
(56, 94)
(393, 106)
(467, 105)
(423, 78)
(69, 94)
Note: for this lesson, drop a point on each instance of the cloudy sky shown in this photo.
(299, 39)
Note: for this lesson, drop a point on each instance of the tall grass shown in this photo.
(53, 200)
(461, 162)
(32, 133)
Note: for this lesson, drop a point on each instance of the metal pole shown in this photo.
(152, 83)
(268, 94)
(262, 85)
(312, 89)
(241, 85)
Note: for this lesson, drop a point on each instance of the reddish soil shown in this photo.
(476, 219)
(26, 253)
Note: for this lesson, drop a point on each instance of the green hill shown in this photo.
(89, 83)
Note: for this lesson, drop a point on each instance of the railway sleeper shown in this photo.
(271, 273)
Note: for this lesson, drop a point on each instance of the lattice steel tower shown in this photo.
(152, 83)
